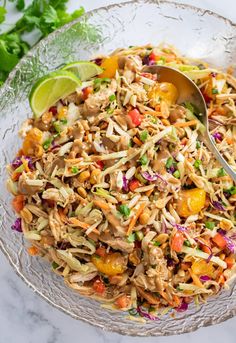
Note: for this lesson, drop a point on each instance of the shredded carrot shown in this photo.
(229, 140)
(101, 204)
(137, 141)
(186, 123)
(196, 279)
(25, 164)
(221, 279)
(32, 251)
(73, 160)
(148, 193)
(135, 218)
(77, 222)
(62, 215)
(15, 176)
(176, 301)
(222, 178)
(164, 296)
(18, 203)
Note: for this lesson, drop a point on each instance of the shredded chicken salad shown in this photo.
(113, 186)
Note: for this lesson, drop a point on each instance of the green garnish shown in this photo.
(197, 163)
(131, 238)
(169, 162)
(176, 174)
(210, 225)
(57, 126)
(215, 91)
(187, 243)
(64, 121)
(221, 172)
(112, 97)
(47, 143)
(144, 160)
(191, 107)
(74, 170)
(143, 136)
(55, 265)
(156, 243)
(45, 16)
(231, 190)
(198, 145)
(139, 235)
(178, 288)
(124, 210)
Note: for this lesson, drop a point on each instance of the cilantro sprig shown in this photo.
(43, 15)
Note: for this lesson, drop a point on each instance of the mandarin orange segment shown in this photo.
(190, 202)
(111, 264)
(110, 65)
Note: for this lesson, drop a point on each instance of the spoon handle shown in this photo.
(208, 141)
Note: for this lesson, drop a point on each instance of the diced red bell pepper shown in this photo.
(133, 184)
(135, 116)
(100, 165)
(53, 109)
(86, 92)
(99, 287)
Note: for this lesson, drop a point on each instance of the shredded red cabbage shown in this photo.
(182, 307)
(17, 225)
(97, 61)
(201, 242)
(218, 205)
(218, 136)
(229, 243)
(204, 278)
(180, 227)
(17, 162)
(146, 314)
(152, 178)
(125, 186)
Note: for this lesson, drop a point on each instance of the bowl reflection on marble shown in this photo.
(196, 33)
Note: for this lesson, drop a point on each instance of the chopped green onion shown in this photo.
(112, 97)
(64, 121)
(110, 110)
(197, 163)
(131, 238)
(124, 210)
(143, 136)
(144, 160)
(221, 172)
(178, 288)
(198, 145)
(169, 162)
(215, 91)
(139, 235)
(74, 170)
(57, 126)
(176, 174)
(156, 243)
(187, 243)
(210, 225)
(55, 265)
(231, 190)
(47, 143)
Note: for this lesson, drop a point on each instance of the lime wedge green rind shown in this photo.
(83, 69)
(51, 88)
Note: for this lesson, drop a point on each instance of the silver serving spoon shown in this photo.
(188, 91)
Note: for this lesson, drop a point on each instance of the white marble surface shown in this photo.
(26, 318)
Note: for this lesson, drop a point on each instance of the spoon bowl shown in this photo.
(189, 92)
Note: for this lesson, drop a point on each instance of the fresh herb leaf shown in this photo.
(47, 143)
(131, 238)
(143, 135)
(124, 210)
(210, 225)
(176, 174)
(64, 121)
(74, 170)
(55, 265)
(156, 243)
(169, 162)
(231, 190)
(187, 243)
(221, 172)
(144, 160)
(20, 4)
(215, 91)
(112, 97)
(198, 145)
(3, 12)
(197, 163)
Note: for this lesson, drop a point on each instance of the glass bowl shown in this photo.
(195, 32)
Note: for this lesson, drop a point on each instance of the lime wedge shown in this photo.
(51, 88)
(83, 69)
